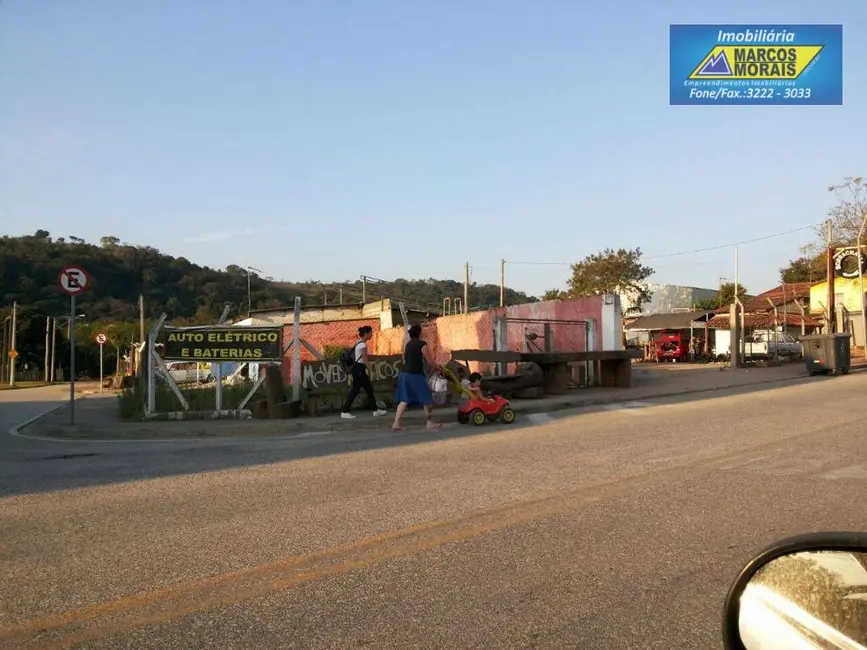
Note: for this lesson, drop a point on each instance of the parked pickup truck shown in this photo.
(768, 344)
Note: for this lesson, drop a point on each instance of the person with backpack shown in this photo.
(355, 362)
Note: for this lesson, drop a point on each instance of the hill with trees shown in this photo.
(187, 292)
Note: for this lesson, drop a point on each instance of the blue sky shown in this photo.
(325, 140)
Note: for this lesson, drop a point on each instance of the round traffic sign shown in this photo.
(73, 280)
(101, 339)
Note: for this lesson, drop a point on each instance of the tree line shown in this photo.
(188, 293)
(622, 271)
(192, 294)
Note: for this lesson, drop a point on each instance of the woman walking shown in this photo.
(412, 386)
(360, 374)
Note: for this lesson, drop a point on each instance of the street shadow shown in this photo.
(35, 466)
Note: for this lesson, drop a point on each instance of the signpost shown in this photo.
(101, 339)
(13, 352)
(73, 280)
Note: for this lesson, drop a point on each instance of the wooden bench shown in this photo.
(614, 366)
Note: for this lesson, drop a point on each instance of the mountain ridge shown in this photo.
(188, 293)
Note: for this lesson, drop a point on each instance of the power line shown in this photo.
(679, 253)
(762, 256)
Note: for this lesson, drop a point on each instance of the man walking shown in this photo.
(360, 374)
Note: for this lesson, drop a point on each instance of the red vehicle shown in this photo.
(479, 411)
(671, 346)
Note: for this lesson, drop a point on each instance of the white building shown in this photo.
(668, 298)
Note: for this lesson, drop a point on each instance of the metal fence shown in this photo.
(546, 335)
(223, 389)
(21, 374)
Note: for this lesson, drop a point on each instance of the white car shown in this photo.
(189, 372)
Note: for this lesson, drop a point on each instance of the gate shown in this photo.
(543, 335)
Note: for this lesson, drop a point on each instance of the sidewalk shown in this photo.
(96, 415)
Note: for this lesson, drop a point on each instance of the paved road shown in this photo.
(618, 527)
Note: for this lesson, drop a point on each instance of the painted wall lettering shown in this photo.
(329, 374)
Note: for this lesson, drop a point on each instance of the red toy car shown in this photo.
(479, 411)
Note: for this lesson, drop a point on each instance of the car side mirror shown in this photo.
(805, 592)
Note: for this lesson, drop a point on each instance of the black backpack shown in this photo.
(347, 358)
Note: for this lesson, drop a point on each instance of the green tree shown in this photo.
(611, 271)
(725, 296)
(807, 268)
(552, 294)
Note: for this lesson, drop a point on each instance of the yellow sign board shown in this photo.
(13, 354)
(756, 62)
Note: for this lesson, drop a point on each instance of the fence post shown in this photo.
(218, 373)
(296, 351)
(151, 403)
(501, 341)
(590, 345)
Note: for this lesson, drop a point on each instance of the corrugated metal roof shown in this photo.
(763, 320)
(675, 321)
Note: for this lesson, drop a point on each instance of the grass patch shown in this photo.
(23, 384)
(130, 401)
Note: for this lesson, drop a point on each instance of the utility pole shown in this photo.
(14, 357)
(736, 318)
(140, 360)
(363, 290)
(141, 317)
(53, 347)
(340, 295)
(142, 357)
(502, 283)
(249, 298)
(829, 272)
(861, 284)
(466, 287)
(4, 352)
(47, 350)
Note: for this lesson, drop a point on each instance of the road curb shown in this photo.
(614, 399)
(15, 429)
(368, 426)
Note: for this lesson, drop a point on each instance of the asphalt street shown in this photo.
(617, 527)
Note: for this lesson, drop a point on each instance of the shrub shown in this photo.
(332, 351)
(130, 401)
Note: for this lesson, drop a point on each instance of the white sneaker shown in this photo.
(378, 413)
(347, 416)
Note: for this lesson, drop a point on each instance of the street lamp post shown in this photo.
(861, 285)
(855, 185)
(249, 299)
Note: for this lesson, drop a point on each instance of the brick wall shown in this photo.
(458, 332)
(319, 335)
(565, 337)
(474, 331)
